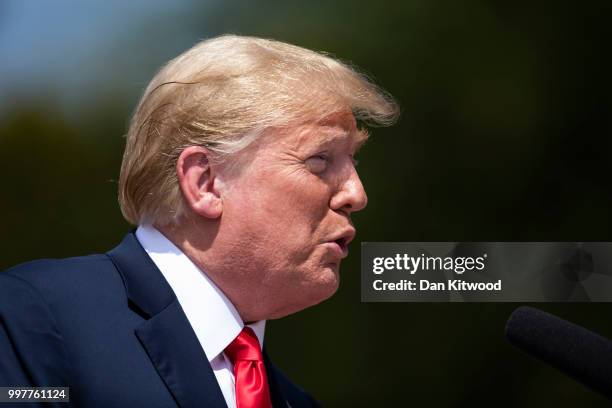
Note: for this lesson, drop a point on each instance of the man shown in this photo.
(239, 172)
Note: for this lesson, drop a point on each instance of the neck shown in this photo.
(204, 244)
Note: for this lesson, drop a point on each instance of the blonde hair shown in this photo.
(222, 94)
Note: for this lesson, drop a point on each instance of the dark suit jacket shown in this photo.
(110, 327)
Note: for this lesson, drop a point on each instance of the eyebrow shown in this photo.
(359, 137)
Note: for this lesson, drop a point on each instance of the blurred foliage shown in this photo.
(505, 135)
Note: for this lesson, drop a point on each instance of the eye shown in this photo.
(317, 163)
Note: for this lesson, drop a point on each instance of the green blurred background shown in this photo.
(504, 135)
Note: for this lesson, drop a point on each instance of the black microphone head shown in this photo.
(574, 350)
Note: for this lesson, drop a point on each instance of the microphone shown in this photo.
(574, 350)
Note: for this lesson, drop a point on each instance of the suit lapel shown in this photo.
(166, 335)
(179, 359)
(278, 398)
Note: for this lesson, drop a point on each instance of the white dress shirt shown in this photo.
(212, 316)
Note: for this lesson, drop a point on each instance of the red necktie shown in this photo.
(251, 382)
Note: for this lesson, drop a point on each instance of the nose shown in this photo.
(351, 195)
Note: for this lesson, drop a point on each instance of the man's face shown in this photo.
(286, 214)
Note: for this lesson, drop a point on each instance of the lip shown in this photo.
(340, 242)
(338, 250)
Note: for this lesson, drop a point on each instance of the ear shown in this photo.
(198, 182)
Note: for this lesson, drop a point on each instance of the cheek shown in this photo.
(308, 195)
(290, 201)
(281, 217)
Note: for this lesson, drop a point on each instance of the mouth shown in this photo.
(341, 242)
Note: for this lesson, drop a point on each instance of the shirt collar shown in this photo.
(212, 316)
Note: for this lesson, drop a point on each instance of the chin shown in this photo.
(331, 282)
(311, 293)
(325, 284)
